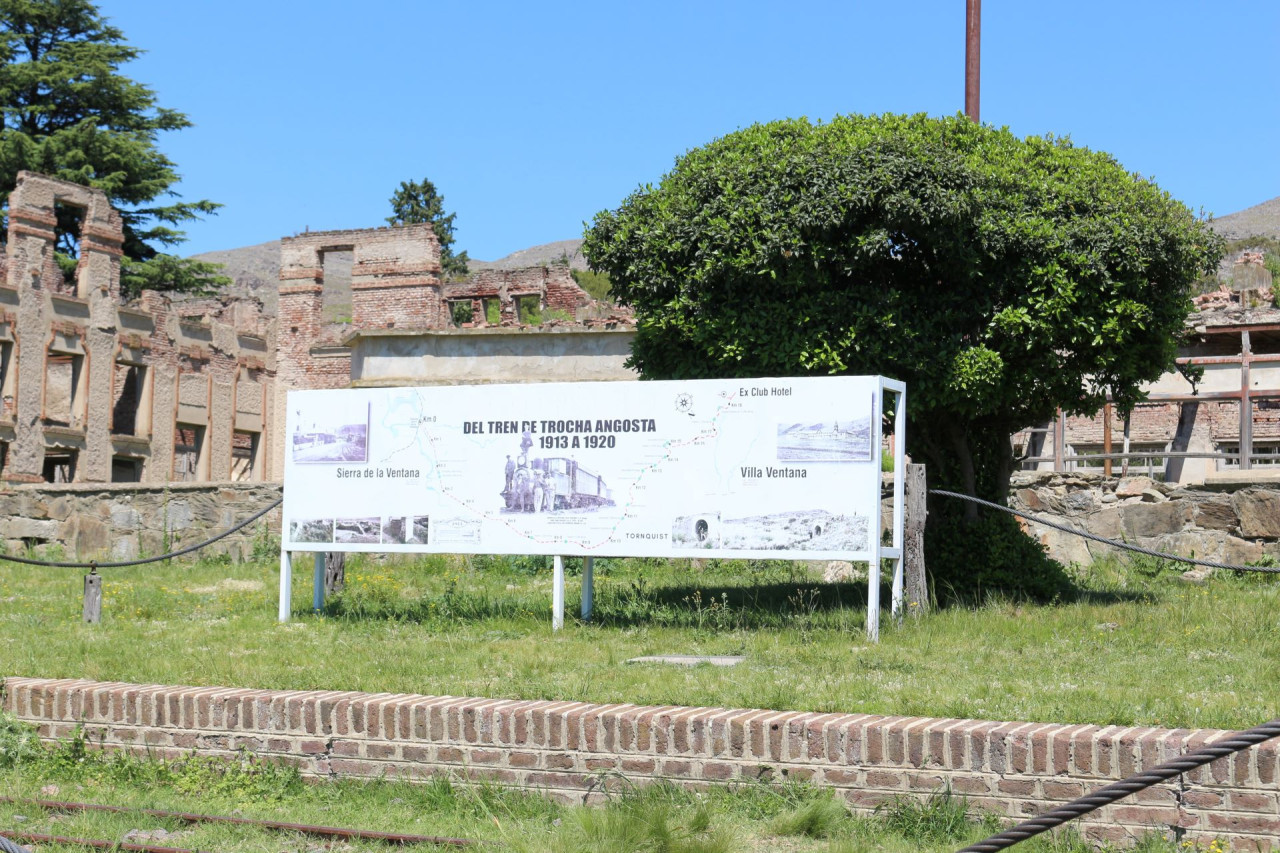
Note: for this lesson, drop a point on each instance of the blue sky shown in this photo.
(530, 117)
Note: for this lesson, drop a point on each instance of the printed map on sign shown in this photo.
(721, 467)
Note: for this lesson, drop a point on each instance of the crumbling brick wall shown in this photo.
(131, 370)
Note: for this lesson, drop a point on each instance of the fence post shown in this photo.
(92, 612)
(913, 540)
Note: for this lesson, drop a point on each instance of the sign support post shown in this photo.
(588, 587)
(557, 594)
(286, 585)
(317, 584)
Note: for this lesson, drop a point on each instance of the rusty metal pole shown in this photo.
(972, 58)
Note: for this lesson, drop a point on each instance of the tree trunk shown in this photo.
(335, 572)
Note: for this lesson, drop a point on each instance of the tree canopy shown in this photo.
(65, 111)
(416, 203)
(1001, 278)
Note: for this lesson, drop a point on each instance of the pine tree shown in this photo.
(416, 203)
(67, 112)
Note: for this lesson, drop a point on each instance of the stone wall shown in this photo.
(576, 751)
(121, 522)
(1232, 522)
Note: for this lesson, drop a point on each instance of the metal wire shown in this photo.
(11, 847)
(94, 564)
(1125, 787)
(1115, 543)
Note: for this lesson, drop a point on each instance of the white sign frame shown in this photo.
(324, 402)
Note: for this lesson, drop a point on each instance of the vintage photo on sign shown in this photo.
(699, 530)
(547, 483)
(846, 440)
(358, 531)
(311, 530)
(418, 530)
(321, 434)
(798, 530)
(394, 530)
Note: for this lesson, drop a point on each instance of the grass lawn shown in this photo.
(1137, 646)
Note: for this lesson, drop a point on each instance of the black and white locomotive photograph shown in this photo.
(550, 483)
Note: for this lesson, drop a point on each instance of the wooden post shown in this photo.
(335, 572)
(913, 545)
(92, 597)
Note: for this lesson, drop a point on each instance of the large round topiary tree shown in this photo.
(1001, 278)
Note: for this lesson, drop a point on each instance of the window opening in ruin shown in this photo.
(1265, 449)
(1139, 460)
(8, 399)
(244, 453)
(4, 455)
(188, 450)
(67, 247)
(62, 387)
(128, 391)
(460, 311)
(529, 309)
(59, 466)
(335, 300)
(126, 469)
(492, 312)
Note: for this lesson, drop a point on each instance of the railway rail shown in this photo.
(331, 832)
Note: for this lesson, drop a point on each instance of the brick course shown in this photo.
(575, 751)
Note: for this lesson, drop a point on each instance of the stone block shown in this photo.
(59, 508)
(1107, 522)
(125, 517)
(178, 515)
(31, 528)
(1215, 514)
(124, 548)
(1143, 520)
(1240, 551)
(1132, 487)
(1259, 513)
(89, 536)
(1078, 503)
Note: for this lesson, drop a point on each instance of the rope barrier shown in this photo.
(94, 564)
(1119, 790)
(1115, 543)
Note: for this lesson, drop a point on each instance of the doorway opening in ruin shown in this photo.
(4, 456)
(126, 469)
(64, 376)
(128, 413)
(244, 456)
(8, 395)
(189, 460)
(67, 248)
(59, 465)
(335, 300)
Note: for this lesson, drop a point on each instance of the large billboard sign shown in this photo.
(749, 468)
(775, 468)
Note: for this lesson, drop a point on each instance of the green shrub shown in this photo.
(968, 560)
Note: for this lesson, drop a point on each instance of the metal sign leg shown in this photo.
(286, 585)
(317, 584)
(588, 587)
(557, 595)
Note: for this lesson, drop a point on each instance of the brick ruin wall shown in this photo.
(102, 386)
(578, 751)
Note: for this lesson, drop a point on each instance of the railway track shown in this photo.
(330, 832)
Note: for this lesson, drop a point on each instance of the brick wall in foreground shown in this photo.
(573, 750)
